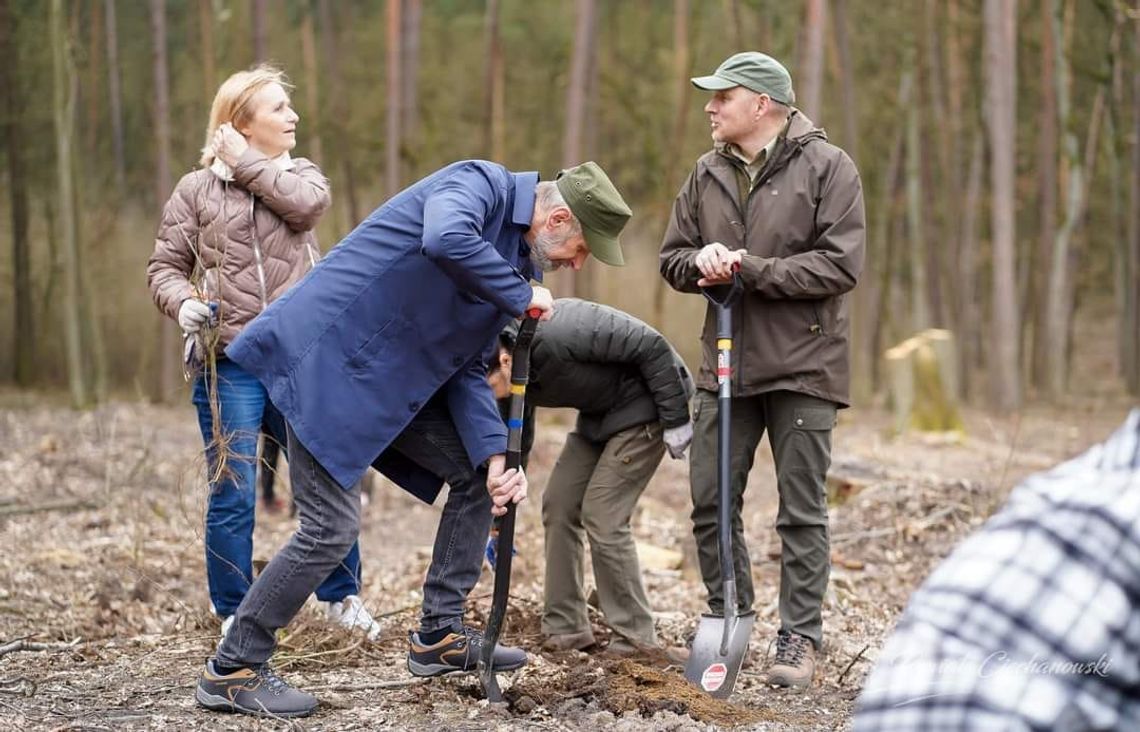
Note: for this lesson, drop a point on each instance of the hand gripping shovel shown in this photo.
(721, 642)
(520, 370)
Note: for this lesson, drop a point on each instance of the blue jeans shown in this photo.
(245, 411)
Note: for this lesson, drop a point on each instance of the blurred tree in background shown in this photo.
(997, 141)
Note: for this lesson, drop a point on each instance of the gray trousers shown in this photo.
(329, 524)
(799, 430)
(591, 494)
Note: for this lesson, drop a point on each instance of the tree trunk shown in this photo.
(811, 63)
(1130, 318)
(1047, 196)
(260, 25)
(394, 94)
(312, 85)
(94, 94)
(23, 334)
(412, 17)
(732, 20)
(846, 79)
(1060, 293)
(1001, 88)
(681, 64)
(114, 92)
(206, 41)
(871, 306)
(916, 224)
(969, 311)
(167, 376)
(494, 140)
(939, 216)
(576, 106)
(63, 108)
(338, 130)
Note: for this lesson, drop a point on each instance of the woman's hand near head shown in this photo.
(229, 144)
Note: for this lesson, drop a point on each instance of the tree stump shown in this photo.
(922, 375)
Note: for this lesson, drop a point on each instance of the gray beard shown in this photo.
(543, 243)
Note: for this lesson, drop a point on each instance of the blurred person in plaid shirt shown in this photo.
(1031, 623)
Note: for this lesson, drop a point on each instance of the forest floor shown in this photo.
(101, 564)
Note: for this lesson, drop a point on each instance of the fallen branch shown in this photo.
(25, 645)
(853, 660)
(14, 510)
(400, 684)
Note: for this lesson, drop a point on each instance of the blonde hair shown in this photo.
(231, 103)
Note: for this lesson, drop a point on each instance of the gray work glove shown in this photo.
(193, 315)
(677, 440)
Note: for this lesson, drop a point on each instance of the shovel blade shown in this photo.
(708, 668)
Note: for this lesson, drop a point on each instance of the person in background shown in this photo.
(377, 358)
(234, 236)
(780, 203)
(1033, 622)
(632, 391)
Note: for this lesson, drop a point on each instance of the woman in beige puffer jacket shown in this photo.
(234, 236)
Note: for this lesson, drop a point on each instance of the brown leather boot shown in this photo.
(794, 665)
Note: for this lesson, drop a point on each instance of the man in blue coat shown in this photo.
(376, 358)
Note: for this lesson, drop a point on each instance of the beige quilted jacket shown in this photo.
(240, 243)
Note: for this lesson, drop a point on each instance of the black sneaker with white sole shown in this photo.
(459, 651)
(258, 691)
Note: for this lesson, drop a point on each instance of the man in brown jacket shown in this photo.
(775, 199)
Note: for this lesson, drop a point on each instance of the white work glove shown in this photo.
(677, 440)
(193, 315)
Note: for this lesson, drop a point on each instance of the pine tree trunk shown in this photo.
(1047, 196)
(916, 224)
(394, 95)
(260, 26)
(412, 18)
(23, 334)
(969, 311)
(206, 41)
(681, 64)
(494, 139)
(339, 114)
(63, 109)
(167, 334)
(566, 284)
(810, 86)
(313, 121)
(114, 92)
(1001, 90)
(1130, 318)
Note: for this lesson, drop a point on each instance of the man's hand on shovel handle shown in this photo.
(505, 486)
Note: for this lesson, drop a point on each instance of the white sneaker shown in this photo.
(351, 613)
(226, 623)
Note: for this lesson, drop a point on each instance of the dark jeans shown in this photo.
(329, 523)
(244, 412)
(432, 442)
(799, 430)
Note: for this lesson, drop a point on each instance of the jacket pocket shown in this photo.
(365, 356)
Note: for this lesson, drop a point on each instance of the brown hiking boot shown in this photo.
(795, 661)
(579, 641)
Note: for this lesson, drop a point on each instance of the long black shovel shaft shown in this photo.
(520, 371)
(724, 473)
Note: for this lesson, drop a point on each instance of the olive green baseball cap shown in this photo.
(756, 71)
(598, 206)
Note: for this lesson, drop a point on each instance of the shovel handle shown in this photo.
(520, 372)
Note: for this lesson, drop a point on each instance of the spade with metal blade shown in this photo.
(722, 640)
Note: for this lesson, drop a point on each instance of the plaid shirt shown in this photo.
(1033, 622)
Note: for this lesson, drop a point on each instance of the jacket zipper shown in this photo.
(257, 253)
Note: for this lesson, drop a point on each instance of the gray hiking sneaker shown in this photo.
(259, 691)
(459, 651)
(795, 661)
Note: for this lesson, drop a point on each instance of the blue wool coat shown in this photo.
(399, 310)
